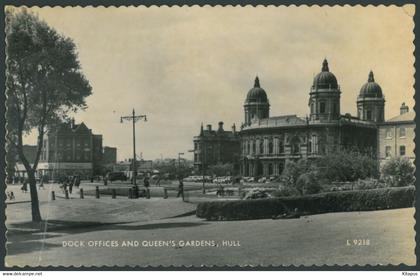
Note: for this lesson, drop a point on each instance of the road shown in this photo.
(318, 239)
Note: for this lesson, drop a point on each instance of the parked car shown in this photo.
(113, 176)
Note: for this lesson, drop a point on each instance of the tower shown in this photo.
(371, 102)
(324, 97)
(256, 104)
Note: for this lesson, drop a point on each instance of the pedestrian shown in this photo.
(147, 185)
(181, 188)
(71, 184)
(105, 180)
(24, 186)
(41, 182)
(77, 181)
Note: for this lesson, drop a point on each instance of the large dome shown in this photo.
(257, 94)
(371, 89)
(325, 79)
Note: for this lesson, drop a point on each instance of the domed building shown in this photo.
(268, 142)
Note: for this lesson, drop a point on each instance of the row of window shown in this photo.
(66, 156)
(323, 107)
(389, 148)
(401, 133)
(250, 147)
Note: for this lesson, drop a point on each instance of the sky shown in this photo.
(183, 66)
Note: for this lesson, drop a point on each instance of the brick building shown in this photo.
(213, 147)
(71, 149)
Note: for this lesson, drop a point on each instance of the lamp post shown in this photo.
(179, 163)
(134, 118)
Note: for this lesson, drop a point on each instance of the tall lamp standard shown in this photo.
(134, 118)
(179, 163)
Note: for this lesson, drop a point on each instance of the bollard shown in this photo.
(97, 192)
(135, 192)
(114, 193)
(66, 192)
(81, 194)
(52, 195)
(165, 193)
(130, 193)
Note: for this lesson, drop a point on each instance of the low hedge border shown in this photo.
(343, 201)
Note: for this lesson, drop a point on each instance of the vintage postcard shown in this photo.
(210, 136)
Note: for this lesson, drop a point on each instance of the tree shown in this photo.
(398, 172)
(44, 83)
(301, 175)
(221, 169)
(347, 165)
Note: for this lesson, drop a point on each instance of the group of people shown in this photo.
(146, 183)
(69, 182)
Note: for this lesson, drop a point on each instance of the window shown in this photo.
(312, 108)
(195, 157)
(369, 115)
(281, 146)
(313, 144)
(270, 146)
(261, 146)
(388, 151)
(388, 133)
(402, 150)
(322, 107)
(270, 169)
(402, 132)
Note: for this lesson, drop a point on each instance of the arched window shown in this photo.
(254, 148)
(261, 146)
(270, 146)
(281, 146)
(295, 147)
(322, 107)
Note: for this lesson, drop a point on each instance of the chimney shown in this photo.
(220, 127)
(403, 109)
(234, 129)
(209, 127)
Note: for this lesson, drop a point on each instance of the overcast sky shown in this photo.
(184, 66)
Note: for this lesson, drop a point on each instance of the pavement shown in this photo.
(166, 232)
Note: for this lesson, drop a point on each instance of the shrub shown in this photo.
(367, 200)
(301, 176)
(398, 172)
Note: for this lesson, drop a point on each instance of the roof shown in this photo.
(278, 121)
(216, 133)
(371, 89)
(409, 116)
(256, 94)
(325, 79)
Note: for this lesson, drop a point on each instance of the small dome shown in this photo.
(257, 94)
(325, 79)
(371, 89)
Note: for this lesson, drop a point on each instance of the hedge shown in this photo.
(343, 201)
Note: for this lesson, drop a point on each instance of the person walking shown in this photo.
(181, 188)
(24, 186)
(41, 182)
(147, 185)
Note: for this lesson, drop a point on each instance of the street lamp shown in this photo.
(134, 119)
(179, 163)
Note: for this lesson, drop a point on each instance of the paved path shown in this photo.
(318, 239)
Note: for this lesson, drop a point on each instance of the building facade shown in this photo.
(71, 149)
(213, 147)
(109, 156)
(396, 136)
(268, 142)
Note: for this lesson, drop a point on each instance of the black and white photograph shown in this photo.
(188, 136)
